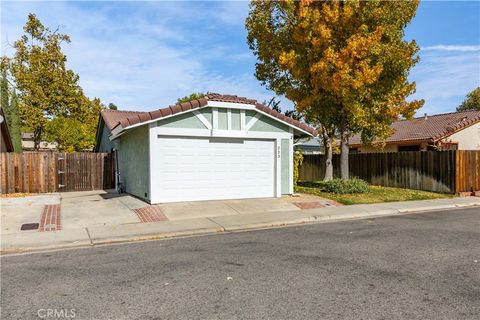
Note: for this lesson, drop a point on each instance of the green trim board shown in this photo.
(285, 166)
(222, 119)
(249, 114)
(186, 120)
(236, 119)
(207, 113)
(268, 124)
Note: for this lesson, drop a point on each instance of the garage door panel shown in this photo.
(201, 169)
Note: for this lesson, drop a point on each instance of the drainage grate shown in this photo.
(29, 226)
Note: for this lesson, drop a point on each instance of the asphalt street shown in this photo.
(417, 266)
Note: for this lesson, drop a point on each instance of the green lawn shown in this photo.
(375, 194)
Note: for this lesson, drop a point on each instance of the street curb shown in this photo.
(156, 236)
(318, 218)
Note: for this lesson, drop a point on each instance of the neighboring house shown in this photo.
(6, 144)
(29, 145)
(309, 146)
(216, 147)
(449, 131)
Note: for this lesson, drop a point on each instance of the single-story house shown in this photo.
(309, 146)
(29, 145)
(216, 147)
(6, 144)
(449, 131)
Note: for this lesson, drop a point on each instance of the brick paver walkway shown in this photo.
(314, 204)
(50, 220)
(150, 214)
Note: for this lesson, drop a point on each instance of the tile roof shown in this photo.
(113, 117)
(139, 117)
(432, 128)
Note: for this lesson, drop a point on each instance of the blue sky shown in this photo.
(144, 55)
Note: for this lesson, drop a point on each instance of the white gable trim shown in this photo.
(214, 118)
(253, 121)
(230, 105)
(229, 119)
(202, 118)
(242, 120)
(117, 131)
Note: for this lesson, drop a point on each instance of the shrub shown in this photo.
(340, 186)
(297, 162)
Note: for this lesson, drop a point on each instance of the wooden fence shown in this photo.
(467, 173)
(440, 171)
(38, 172)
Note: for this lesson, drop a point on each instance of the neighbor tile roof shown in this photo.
(126, 121)
(432, 128)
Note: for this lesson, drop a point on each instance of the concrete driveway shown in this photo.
(98, 208)
(204, 209)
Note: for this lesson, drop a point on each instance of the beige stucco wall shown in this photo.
(467, 139)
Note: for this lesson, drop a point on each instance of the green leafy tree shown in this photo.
(343, 63)
(273, 104)
(4, 94)
(15, 123)
(471, 102)
(47, 88)
(9, 104)
(112, 106)
(68, 134)
(193, 96)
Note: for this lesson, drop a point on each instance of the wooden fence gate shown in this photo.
(39, 172)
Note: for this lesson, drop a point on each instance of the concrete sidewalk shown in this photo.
(109, 233)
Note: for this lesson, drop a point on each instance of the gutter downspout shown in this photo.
(117, 172)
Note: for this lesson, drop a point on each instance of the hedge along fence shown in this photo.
(40, 172)
(439, 171)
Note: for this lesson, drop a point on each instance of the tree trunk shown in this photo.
(37, 136)
(327, 145)
(344, 171)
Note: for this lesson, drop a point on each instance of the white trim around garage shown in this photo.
(291, 163)
(151, 159)
(278, 168)
(186, 132)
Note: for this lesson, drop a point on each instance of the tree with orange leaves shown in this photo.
(343, 63)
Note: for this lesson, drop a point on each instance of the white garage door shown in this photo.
(188, 169)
